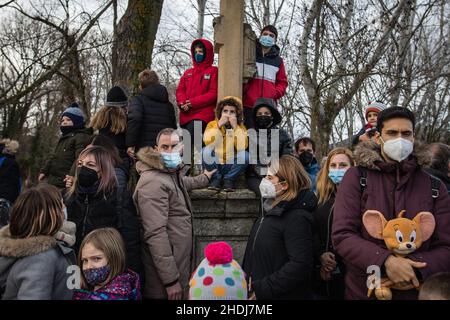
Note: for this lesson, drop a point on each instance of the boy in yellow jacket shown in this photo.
(225, 141)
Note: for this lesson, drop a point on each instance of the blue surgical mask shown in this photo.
(336, 175)
(171, 160)
(267, 41)
(199, 57)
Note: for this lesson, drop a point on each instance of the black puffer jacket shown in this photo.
(322, 225)
(279, 253)
(9, 178)
(91, 211)
(119, 140)
(323, 219)
(285, 141)
(114, 210)
(150, 112)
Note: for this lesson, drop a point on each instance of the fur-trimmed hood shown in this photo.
(150, 159)
(20, 248)
(368, 153)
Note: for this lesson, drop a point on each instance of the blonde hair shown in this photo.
(325, 187)
(108, 179)
(289, 170)
(108, 115)
(37, 211)
(110, 242)
(11, 146)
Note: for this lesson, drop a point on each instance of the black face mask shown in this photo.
(87, 177)
(264, 121)
(66, 129)
(306, 158)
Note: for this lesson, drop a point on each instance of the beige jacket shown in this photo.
(162, 200)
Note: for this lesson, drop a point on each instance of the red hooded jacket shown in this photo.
(199, 86)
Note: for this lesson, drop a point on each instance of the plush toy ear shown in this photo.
(426, 223)
(374, 222)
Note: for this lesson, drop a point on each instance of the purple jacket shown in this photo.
(125, 286)
(390, 189)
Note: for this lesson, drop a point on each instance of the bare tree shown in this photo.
(201, 17)
(69, 49)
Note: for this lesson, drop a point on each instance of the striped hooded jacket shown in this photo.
(270, 80)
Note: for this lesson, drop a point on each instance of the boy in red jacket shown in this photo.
(197, 91)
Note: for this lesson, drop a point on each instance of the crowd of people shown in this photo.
(324, 223)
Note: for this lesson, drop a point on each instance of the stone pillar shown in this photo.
(223, 217)
(228, 38)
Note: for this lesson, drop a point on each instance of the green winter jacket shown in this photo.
(66, 152)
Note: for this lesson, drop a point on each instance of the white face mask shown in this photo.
(398, 149)
(267, 189)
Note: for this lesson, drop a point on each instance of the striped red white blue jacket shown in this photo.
(270, 80)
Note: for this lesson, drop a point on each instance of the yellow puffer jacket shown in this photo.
(226, 143)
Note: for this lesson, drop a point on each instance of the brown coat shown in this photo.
(163, 203)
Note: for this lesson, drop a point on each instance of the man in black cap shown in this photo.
(270, 80)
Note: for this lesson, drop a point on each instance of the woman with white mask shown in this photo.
(279, 255)
(329, 271)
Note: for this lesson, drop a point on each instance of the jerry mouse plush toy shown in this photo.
(402, 236)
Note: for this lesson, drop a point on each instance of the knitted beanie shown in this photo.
(374, 107)
(116, 97)
(218, 276)
(74, 113)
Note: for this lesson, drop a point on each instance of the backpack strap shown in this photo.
(435, 185)
(362, 178)
(363, 184)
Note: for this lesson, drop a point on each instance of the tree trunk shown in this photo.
(201, 17)
(136, 33)
(322, 119)
(74, 80)
(114, 55)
